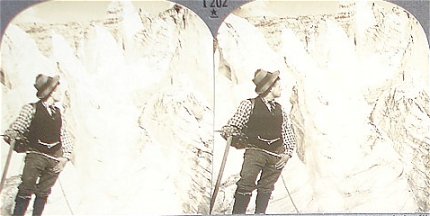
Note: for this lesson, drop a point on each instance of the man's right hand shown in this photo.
(14, 135)
(6, 138)
(228, 131)
(10, 135)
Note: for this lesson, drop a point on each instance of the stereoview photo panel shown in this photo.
(355, 87)
(138, 102)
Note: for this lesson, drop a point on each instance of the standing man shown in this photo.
(270, 142)
(49, 146)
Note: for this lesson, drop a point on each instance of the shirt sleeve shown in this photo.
(66, 141)
(239, 119)
(22, 122)
(288, 135)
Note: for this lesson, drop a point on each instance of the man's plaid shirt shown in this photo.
(22, 123)
(241, 117)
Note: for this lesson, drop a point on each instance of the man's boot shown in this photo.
(241, 201)
(261, 202)
(21, 204)
(39, 205)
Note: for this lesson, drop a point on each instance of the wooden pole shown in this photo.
(221, 171)
(6, 166)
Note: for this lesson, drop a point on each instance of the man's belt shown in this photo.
(40, 153)
(48, 145)
(264, 150)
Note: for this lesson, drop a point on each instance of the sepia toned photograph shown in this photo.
(321, 107)
(210, 107)
(106, 109)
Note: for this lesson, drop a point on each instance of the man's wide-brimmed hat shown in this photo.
(45, 85)
(263, 80)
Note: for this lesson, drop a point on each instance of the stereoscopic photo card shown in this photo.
(152, 92)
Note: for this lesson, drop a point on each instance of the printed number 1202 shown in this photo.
(215, 3)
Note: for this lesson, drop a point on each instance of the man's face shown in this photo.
(276, 89)
(57, 93)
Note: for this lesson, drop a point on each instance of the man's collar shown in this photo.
(47, 106)
(267, 101)
(44, 104)
(269, 104)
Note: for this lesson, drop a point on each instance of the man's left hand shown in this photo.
(60, 165)
(282, 162)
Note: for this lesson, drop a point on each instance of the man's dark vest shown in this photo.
(47, 129)
(265, 124)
